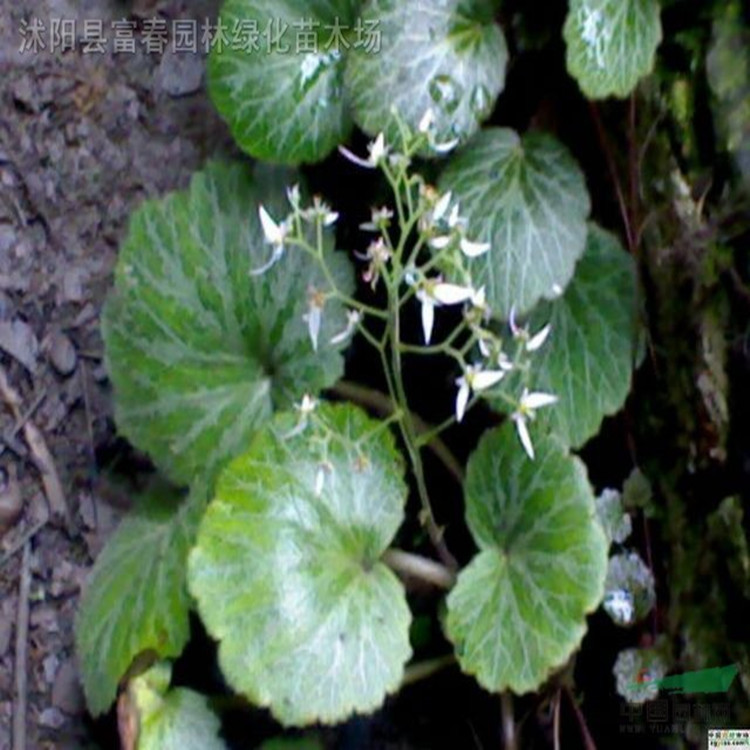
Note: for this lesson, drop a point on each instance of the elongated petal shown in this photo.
(320, 478)
(536, 341)
(275, 256)
(428, 118)
(538, 400)
(451, 294)
(354, 159)
(313, 319)
(330, 218)
(523, 435)
(441, 206)
(485, 379)
(439, 243)
(514, 329)
(445, 147)
(428, 318)
(377, 149)
(462, 398)
(474, 249)
(271, 230)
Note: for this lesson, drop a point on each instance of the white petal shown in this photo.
(313, 319)
(439, 243)
(538, 400)
(428, 118)
(462, 398)
(444, 148)
(454, 219)
(523, 434)
(275, 256)
(377, 149)
(514, 329)
(474, 249)
(354, 159)
(451, 294)
(484, 348)
(428, 318)
(320, 478)
(293, 195)
(271, 230)
(538, 339)
(485, 379)
(330, 218)
(441, 206)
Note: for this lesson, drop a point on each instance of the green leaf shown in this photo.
(282, 93)
(444, 55)
(636, 670)
(177, 719)
(728, 71)
(588, 358)
(527, 197)
(611, 44)
(519, 609)
(629, 589)
(136, 600)
(287, 570)
(200, 351)
(616, 523)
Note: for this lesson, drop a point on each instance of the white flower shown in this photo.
(427, 127)
(352, 321)
(378, 255)
(293, 195)
(306, 407)
(474, 379)
(527, 407)
(377, 151)
(313, 317)
(441, 206)
(434, 293)
(473, 249)
(532, 343)
(320, 211)
(381, 219)
(275, 235)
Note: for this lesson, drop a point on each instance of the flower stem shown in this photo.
(509, 723)
(423, 669)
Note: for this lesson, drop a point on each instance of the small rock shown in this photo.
(66, 690)
(11, 503)
(61, 353)
(180, 74)
(52, 718)
(18, 340)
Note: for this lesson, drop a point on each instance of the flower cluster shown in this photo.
(422, 249)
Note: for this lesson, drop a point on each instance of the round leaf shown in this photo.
(279, 83)
(611, 44)
(527, 197)
(518, 610)
(444, 55)
(588, 359)
(286, 569)
(136, 600)
(198, 349)
(177, 719)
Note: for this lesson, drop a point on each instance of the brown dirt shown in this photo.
(83, 140)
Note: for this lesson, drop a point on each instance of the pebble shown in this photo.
(61, 352)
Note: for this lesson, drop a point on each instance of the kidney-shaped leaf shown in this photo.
(587, 361)
(278, 81)
(199, 350)
(444, 55)
(528, 198)
(171, 719)
(137, 600)
(611, 44)
(519, 609)
(287, 570)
